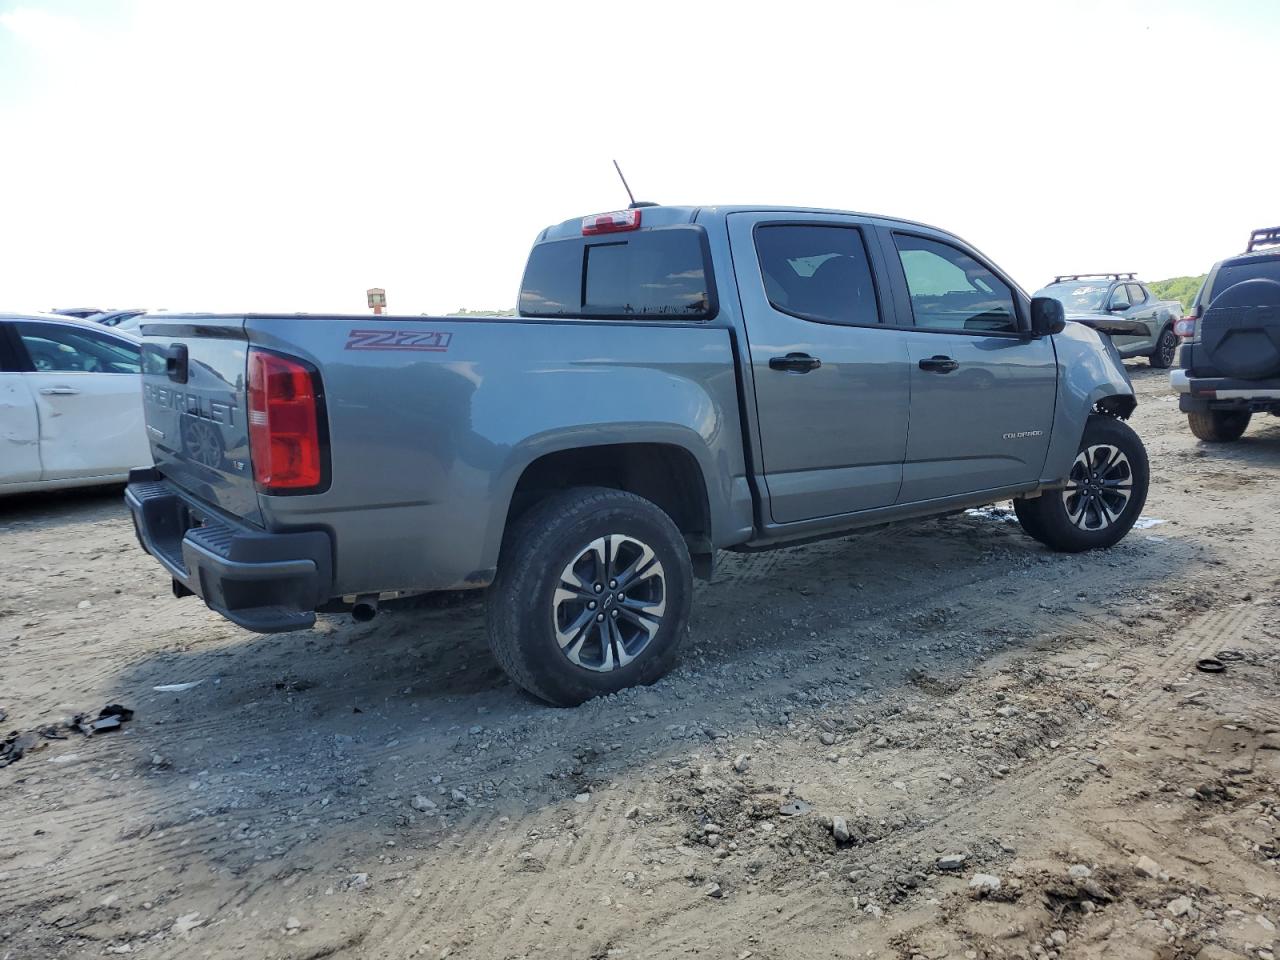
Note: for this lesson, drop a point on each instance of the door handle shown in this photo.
(795, 362)
(59, 391)
(939, 364)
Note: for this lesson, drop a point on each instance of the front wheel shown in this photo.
(1103, 496)
(1219, 426)
(1166, 348)
(592, 596)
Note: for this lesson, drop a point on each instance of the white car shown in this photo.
(70, 403)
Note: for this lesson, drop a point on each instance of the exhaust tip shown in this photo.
(365, 608)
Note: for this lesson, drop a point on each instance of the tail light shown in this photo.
(1186, 327)
(619, 221)
(286, 420)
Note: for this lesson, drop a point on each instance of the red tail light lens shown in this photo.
(284, 424)
(619, 221)
(1185, 328)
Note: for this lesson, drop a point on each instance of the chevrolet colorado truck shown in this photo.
(1229, 362)
(1123, 308)
(677, 381)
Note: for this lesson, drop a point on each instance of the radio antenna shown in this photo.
(630, 196)
(635, 204)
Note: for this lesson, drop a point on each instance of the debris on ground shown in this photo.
(18, 744)
(178, 687)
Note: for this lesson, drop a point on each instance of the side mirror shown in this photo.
(1047, 316)
(1118, 308)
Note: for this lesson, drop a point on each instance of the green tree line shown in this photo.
(1182, 289)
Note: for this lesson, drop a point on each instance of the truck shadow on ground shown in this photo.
(315, 757)
(63, 508)
(413, 703)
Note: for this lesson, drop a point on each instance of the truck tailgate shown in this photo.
(196, 407)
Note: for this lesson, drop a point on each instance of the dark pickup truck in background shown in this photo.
(679, 380)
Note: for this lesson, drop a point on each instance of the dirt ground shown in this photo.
(935, 741)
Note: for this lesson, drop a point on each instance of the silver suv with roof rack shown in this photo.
(1229, 363)
(1124, 308)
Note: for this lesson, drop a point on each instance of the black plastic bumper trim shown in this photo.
(262, 581)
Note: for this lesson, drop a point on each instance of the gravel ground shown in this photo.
(935, 741)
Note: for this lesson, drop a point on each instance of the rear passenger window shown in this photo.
(1136, 294)
(952, 291)
(817, 272)
(61, 348)
(660, 274)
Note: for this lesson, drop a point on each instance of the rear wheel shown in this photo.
(1103, 496)
(1219, 426)
(1166, 348)
(592, 596)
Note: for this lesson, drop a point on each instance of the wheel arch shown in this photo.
(664, 472)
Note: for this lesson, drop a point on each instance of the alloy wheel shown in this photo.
(1099, 487)
(609, 603)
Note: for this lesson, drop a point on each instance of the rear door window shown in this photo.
(9, 357)
(818, 272)
(662, 274)
(61, 348)
(1137, 294)
(950, 290)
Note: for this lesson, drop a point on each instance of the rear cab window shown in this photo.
(661, 273)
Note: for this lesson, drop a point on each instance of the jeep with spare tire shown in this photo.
(677, 381)
(1229, 362)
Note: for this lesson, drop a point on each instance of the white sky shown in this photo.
(286, 156)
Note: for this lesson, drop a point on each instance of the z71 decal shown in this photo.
(431, 341)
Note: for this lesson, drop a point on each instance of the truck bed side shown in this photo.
(433, 422)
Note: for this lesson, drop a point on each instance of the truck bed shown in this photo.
(432, 421)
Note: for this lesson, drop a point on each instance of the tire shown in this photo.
(544, 613)
(1105, 492)
(1219, 426)
(1029, 519)
(1166, 349)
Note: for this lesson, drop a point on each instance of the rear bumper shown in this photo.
(265, 582)
(1198, 394)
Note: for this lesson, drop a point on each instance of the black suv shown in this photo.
(1230, 360)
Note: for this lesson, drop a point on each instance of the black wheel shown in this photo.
(1166, 349)
(592, 596)
(1219, 426)
(1103, 496)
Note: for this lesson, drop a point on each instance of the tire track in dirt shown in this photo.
(602, 844)
(486, 897)
(816, 909)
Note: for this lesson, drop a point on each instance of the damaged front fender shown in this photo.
(1091, 379)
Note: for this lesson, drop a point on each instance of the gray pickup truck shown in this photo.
(1123, 308)
(679, 380)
